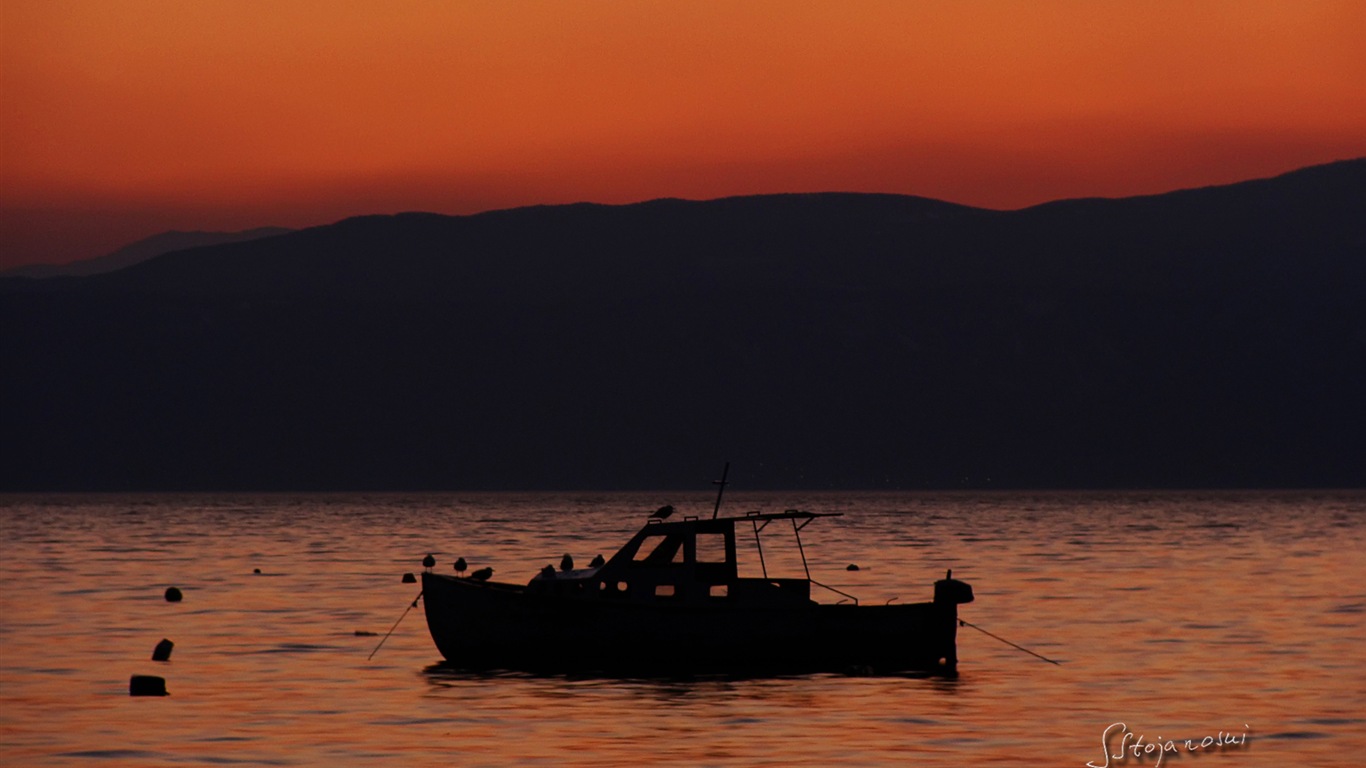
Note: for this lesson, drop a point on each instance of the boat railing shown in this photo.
(794, 515)
(832, 589)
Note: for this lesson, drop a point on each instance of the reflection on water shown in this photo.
(1181, 615)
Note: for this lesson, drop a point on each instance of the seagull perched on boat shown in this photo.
(662, 512)
(460, 566)
(428, 561)
(566, 563)
(482, 574)
(548, 572)
(598, 562)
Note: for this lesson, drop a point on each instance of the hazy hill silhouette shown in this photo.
(140, 251)
(1210, 337)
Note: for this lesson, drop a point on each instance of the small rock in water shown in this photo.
(163, 650)
(408, 578)
(173, 595)
(147, 685)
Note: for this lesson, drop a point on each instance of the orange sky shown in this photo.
(122, 118)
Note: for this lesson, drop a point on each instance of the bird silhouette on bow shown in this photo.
(598, 562)
(428, 561)
(662, 512)
(460, 566)
(566, 563)
(482, 574)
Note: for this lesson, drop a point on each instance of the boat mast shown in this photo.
(720, 489)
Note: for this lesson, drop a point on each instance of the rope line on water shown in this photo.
(1007, 642)
(391, 629)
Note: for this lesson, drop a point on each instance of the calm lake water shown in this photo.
(1181, 615)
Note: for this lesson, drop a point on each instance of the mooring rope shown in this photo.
(1007, 642)
(391, 629)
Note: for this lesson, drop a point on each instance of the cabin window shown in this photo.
(718, 590)
(647, 546)
(664, 590)
(660, 550)
(711, 547)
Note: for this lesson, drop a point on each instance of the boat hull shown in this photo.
(481, 625)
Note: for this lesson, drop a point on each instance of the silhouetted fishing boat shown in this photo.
(671, 601)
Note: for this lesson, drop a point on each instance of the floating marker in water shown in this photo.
(147, 685)
(408, 578)
(163, 650)
(255, 570)
(852, 567)
(173, 595)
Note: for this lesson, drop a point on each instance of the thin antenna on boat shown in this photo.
(391, 629)
(720, 489)
(1007, 642)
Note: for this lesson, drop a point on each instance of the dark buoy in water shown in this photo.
(852, 567)
(256, 570)
(173, 595)
(408, 578)
(460, 566)
(147, 685)
(163, 650)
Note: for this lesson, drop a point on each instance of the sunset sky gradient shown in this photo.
(123, 118)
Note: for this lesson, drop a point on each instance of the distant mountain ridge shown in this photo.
(140, 251)
(1212, 337)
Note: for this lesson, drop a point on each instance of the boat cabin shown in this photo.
(691, 560)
